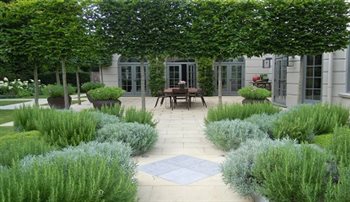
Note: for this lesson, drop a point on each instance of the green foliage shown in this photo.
(91, 85)
(238, 167)
(280, 16)
(339, 192)
(64, 128)
(292, 173)
(229, 135)
(324, 141)
(57, 90)
(341, 145)
(156, 74)
(115, 110)
(140, 137)
(25, 117)
(103, 119)
(91, 172)
(254, 93)
(139, 116)
(50, 77)
(305, 121)
(264, 121)
(14, 147)
(60, 128)
(106, 93)
(205, 75)
(238, 111)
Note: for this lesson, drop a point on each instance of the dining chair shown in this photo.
(200, 94)
(161, 95)
(180, 94)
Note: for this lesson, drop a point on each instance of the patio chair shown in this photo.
(200, 94)
(161, 95)
(180, 94)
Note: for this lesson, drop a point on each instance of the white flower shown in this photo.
(18, 79)
(10, 87)
(31, 80)
(1, 82)
(6, 79)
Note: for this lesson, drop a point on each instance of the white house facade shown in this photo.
(295, 80)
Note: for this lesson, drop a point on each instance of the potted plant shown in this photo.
(182, 84)
(264, 77)
(86, 87)
(55, 95)
(105, 96)
(254, 94)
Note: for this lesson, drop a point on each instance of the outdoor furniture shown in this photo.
(263, 84)
(178, 93)
(161, 95)
(192, 92)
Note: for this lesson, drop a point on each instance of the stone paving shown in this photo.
(181, 141)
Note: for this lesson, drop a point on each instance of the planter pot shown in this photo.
(89, 98)
(58, 102)
(252, 101)
(258, 198)
(99, 103)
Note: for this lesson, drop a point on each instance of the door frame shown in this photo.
(179, 64)
(284, 62)
(229, 65)
(133, 65)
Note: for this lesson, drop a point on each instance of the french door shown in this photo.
(130, 79)
(280, 80)
(232, 78)
(181, 72)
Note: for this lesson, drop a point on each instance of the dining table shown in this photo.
(192, 92)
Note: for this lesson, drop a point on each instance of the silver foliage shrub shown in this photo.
(237, 168)
(140, 137)
(109, 151)
(228, 134)
(104, 119)
(265, 122)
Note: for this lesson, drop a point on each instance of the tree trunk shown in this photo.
(143, 98)
(78, 84)
(36, 85)
(58, 80)
(220, 83)
(65, 87)
(101, 72)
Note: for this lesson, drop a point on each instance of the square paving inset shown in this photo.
(182, 169)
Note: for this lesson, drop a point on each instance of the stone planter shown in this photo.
(251, 101)
(258, 198)
(89, 98)
(99, 103)
(58, 102)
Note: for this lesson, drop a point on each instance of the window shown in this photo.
(313, 79)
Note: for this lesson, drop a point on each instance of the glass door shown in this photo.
(280, 80)
(130, 79)
(313, 79)
(181, 72)
(232, 78)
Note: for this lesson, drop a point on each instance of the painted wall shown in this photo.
(339, 79)
(110, 74)
(254, 66)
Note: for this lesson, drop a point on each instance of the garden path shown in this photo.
(181, 137)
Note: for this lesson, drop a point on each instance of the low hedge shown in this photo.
(89, 172)
(305, 121)
(238, 111)
(139, 137)
(14, 147)
(86, 87)
(229, 135)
